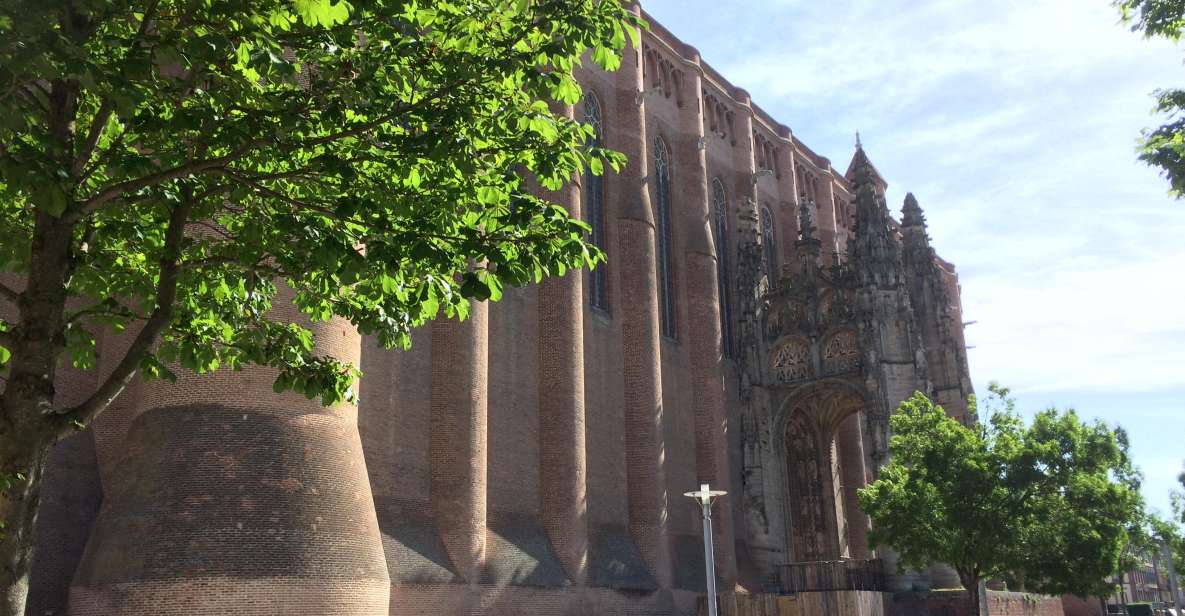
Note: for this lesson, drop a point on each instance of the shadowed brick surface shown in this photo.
(414, 551)
(69, 505)
(520, 553)
(225, 494)
(221, 492)
(614, 561)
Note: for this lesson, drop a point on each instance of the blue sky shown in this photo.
(1014, 122)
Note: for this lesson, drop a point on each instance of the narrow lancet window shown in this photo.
(723, 266)
(769, 243)
(593, 204)
(666, 275)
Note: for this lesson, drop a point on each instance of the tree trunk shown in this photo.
(979, 598)
(971, 584)
(18, 512)
(28, 426)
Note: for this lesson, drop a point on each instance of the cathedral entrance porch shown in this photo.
(825, 465)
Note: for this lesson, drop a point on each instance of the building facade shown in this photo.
(1152, 580)
(760, 315)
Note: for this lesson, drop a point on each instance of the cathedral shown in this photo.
(760, 315)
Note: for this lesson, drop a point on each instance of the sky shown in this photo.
(1014, 122)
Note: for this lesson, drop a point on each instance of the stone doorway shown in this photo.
(825, 465)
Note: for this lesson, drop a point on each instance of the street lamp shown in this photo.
(705, 497)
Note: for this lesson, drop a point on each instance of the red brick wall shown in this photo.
(956, 603)
(1077, 606)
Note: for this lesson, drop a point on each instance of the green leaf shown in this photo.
(322, 12)
(51, 198)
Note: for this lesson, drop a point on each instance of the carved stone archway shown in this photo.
(808, 424)
(810, 534)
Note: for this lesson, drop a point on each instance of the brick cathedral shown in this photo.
(760, 315)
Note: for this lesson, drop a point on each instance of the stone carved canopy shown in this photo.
(811, 327)
(789, 317)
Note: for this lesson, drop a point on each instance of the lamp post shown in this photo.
(705, 496)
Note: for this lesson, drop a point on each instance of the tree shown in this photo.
(168, 166)
(1174, 531)
(1169, 533)
(1163, 146)
(1050, 503)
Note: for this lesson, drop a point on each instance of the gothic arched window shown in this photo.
(769, 243)
(593, 198)
(723, 280)
(666, 275)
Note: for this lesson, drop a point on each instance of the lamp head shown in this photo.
(705, 495)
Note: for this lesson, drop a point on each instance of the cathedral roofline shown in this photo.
(691, 57)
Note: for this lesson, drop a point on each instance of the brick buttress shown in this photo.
(562, 460)
(457, 447)
(642, 383)
(705, 336)
(224, 497)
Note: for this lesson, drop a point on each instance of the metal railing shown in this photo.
(832, 575)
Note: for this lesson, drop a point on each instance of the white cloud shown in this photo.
(1094, 324)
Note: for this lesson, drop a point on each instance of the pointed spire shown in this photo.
(806, 226)
(917, 251)
(877, 254)
(808, 247)
(859, 160)
(911, 213)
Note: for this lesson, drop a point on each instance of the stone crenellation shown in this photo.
(759, 317)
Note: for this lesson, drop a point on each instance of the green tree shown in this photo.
(168, 166)
(1168, 532)
(1178, 497)
(1163, 146)
(1050, 503)
(1175, 532)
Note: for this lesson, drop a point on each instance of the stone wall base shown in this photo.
(863, 603)
(837, 603)
(957, 603)
(487, 600)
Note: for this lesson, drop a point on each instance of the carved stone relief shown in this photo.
(841, 352)
(789, 316)
(806, 491)
(792, 362)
